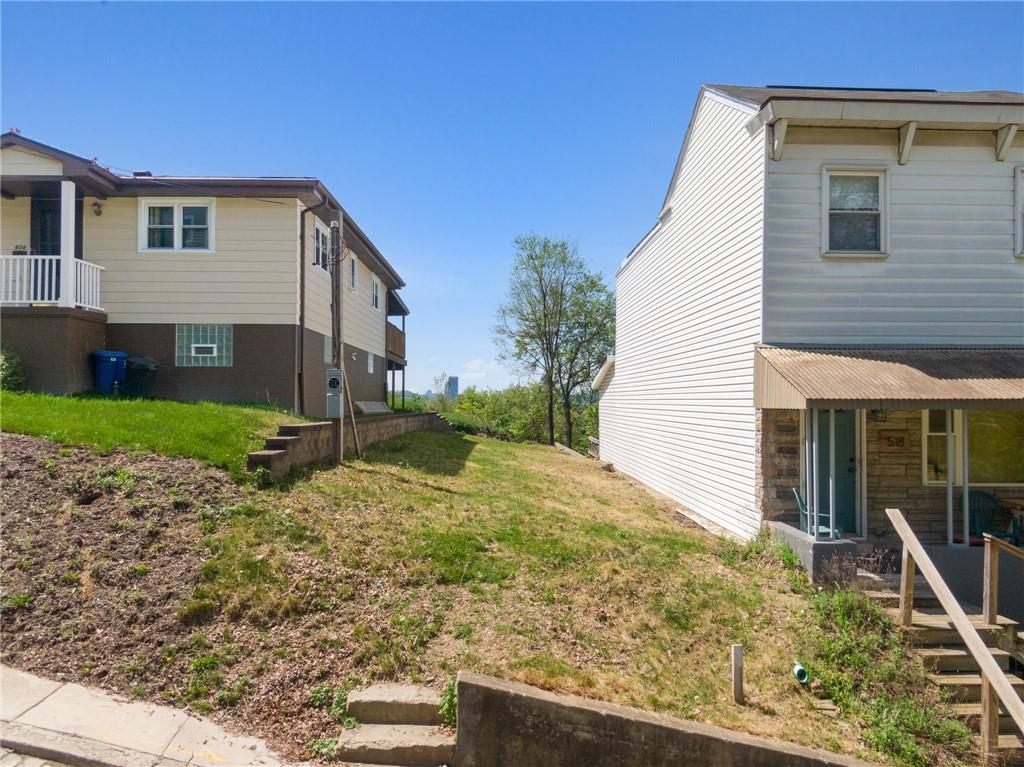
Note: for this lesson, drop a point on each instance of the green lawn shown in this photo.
(218, 434)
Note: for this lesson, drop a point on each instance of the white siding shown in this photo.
(678, 413)
(362, 325)
(15, 161)
(318, 284)
(15, 218)
(951, 276)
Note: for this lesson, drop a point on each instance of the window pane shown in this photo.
(996, 444)
(195, 238)
(937, 421)
(194, 216)
(160, 237)
(936, 466)
(853, 231)
(160, 215)
(853, 193)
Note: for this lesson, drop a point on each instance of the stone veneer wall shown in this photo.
(894, 479)
(303, 444)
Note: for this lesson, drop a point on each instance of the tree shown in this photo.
(588, 337)
(532, 319)
(557, 321)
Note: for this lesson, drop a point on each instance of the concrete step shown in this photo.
(957, 658)
(393, 744)
(966, 687)
(395, 704)
(970, 714)
(279, 443)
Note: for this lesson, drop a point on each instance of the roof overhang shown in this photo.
(798, 378)
(886, 114)
(396, 306)
(602, 375)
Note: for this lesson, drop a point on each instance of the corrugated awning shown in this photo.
(888, 378)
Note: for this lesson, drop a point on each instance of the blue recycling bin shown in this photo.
(109, 371)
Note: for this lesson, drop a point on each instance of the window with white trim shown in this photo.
(369, 362)
(375, 294)
(994, 437)
(184, 225)
(853, 220)
(352, 273)
(1019, 211)
(322, 247)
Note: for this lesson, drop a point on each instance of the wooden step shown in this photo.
(966, 687)
(957, 658)
(395, 704)
(970, 714)
(929, 636)
(408, 745)
(1011, 750)
(892, 599)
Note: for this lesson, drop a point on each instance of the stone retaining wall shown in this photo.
(506, 724)
(303, 444)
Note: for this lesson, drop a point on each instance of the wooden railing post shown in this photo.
(990, 599)
(989, 719)
(907, 573)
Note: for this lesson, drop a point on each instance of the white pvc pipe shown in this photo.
(950, 458)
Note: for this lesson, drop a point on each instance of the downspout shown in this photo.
(300, 331)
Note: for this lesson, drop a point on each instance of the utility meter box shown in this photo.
(335, 393)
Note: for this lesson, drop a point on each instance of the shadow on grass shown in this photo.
(431, 452)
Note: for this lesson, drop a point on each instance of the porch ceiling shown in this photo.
(888, 378)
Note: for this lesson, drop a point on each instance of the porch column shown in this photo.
(67, 244)
(812, 506)
(950, 459)
(967, 478)
(831, 473)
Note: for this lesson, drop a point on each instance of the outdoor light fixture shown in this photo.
(878, 416)
(97, 208)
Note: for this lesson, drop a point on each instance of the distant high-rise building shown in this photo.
(451, 387)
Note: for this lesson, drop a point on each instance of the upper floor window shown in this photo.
(352, 273)
(853, 221)
(322, 247)
(1019, 211)
(375, 294)
(176, 225)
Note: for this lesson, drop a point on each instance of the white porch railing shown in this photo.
(26, 280)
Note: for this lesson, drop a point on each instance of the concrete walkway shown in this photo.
(64, 722)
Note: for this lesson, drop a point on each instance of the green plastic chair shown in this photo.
(823, 518)
(984, 508)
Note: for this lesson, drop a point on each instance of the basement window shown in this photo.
(203, 345)
(369, 362)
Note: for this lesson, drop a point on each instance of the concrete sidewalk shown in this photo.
(66, 722)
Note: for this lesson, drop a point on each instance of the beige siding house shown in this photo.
(828, 318)
(228, 283)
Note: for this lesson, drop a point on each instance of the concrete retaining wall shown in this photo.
(303, 444)
(505, 724)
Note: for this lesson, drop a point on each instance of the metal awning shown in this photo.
(888, 378)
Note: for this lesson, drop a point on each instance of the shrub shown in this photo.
(12, 375)
(449, 707)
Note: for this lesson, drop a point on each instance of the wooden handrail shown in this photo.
(1017, 551)
(994, 684)
(990, 597)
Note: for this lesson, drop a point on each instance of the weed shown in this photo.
(449, 706)
(262, 477)
(140, 570)
(322, 747)
(229, 697)
(321, 695)
(16, 602)
(199, 609)
(138, 691)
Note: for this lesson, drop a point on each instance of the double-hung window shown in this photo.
(352, 273)
(176, 225)
(375, 294)
(322, 247)
(853, 221)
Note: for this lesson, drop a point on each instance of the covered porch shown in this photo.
(395, 347)
(937, 433)
(41, 255)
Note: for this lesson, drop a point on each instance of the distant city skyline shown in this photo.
(446, 130)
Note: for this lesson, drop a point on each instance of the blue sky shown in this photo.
(448, 129)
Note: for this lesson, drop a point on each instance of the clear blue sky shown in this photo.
(446, 130)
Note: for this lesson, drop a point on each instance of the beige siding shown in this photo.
(363, 326)
(678, 412)
(15, 217)
(318, 285)
(950, 277)
(15, 161)
(251, 278)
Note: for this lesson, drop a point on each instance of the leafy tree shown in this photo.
(557, 320)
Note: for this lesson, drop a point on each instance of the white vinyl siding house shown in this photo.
(677, 413)
(364, 326)
(949, 275)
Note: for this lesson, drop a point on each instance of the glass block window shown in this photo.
(328, 350)
(201, 345)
